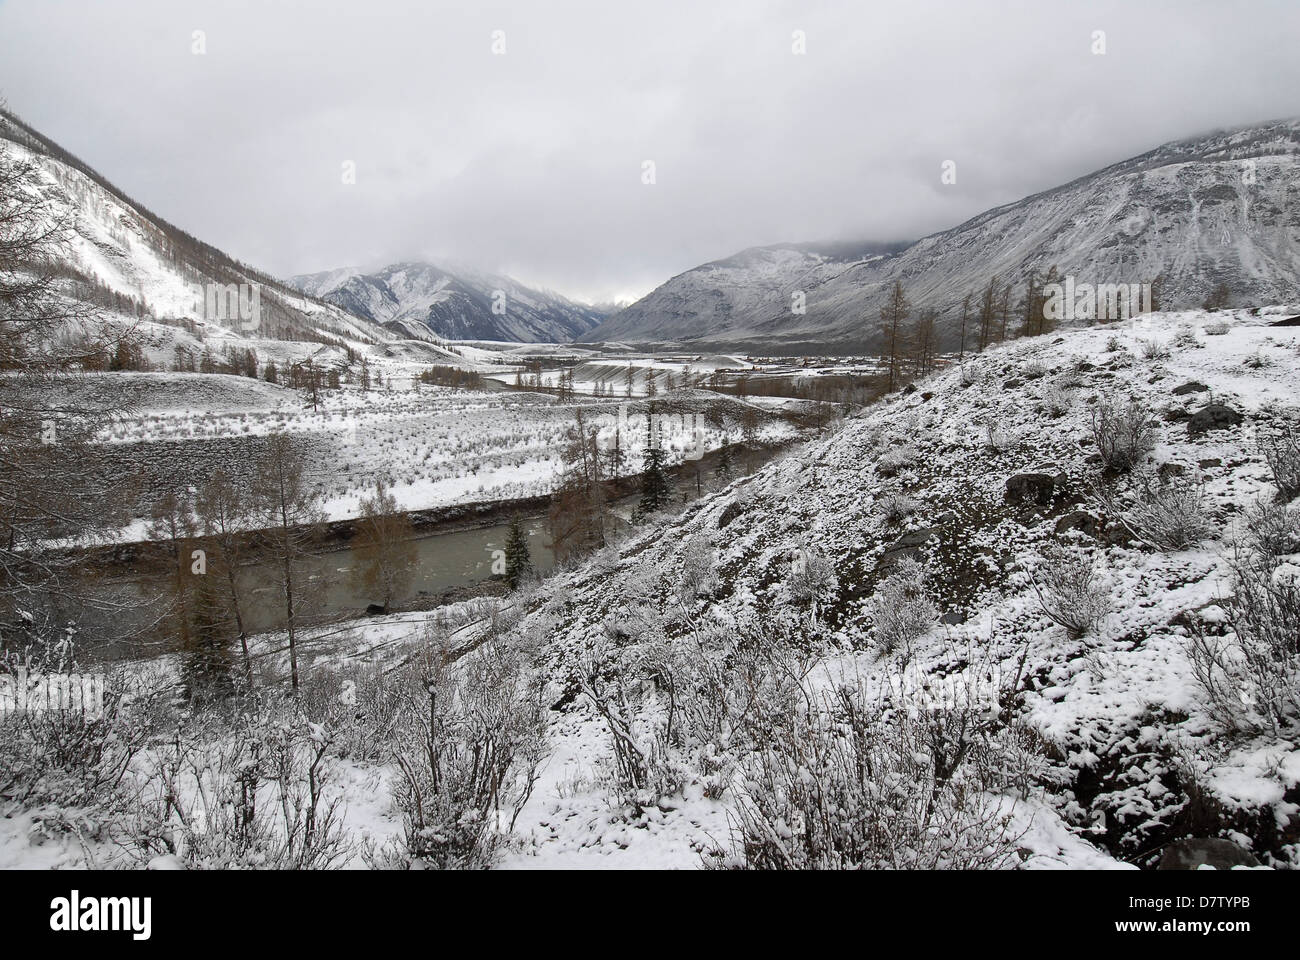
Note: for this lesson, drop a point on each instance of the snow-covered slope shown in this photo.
(1221, 208)
(121, 251)
(1128, 753)
(420, 301)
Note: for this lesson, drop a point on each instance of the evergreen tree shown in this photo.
(654, 482)
(518, 559)
(725, 468)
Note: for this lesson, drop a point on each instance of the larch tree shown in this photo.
(288, 509)
(223, 507)
(893, 317)
(384, 546)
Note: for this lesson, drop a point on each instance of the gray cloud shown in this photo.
(531, 162)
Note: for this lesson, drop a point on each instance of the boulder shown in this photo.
(1191, 386)
(1080, 520)
(730, 512)
(1196, 852)
(1213, 416)
(1036, 488)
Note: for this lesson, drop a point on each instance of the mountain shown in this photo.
(1216, 209)
(122, 256)
(423, 301)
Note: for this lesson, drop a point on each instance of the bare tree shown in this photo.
(223, 507)
(288, 508)
(893, 316)
(384, 543)
(924, 341)
(577, 513)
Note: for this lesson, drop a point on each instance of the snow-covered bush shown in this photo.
(699, 568)
(247, 792)
(1069, 590)
(812, 575)
(72, 758)
(1281, 448)
(1216, 327)
(998, 437)
(467, 752)
(849, 785)
(902, 608)
(896, 507)
(1124, 433)
(1272, 529)
(1056, 400)
(1169, 514)
(895, 459)
(1152, 350)
(1250, 673)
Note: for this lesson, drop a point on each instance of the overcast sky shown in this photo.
(532, 162)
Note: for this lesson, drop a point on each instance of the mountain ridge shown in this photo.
(1167, 212)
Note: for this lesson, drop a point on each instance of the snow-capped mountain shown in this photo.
(423, 301)
(124, 257)
(1215, 209)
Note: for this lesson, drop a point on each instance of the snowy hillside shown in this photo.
(1210, 210)
(1118, 751)
(420, 300)
(119, 249)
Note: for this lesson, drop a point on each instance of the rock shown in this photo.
(1213, 416)
(1080, 520)
(1205, 851)
(952, 618)
(1209, 463)
(909, 389)
(376, 610)
(1033, 487)
(730, 512)
(1168, 471)
(1012, 384)
(1191, 386)
(906, 546)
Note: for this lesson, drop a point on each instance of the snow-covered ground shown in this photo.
(1127, 752)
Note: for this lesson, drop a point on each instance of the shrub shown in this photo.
(1169, 514)
(74, 758)
(1124, 433)
(1272, 529)
(1069, 590)
(249, 797)
(1215, 328)
(1281, 448)
(897, 507)
(848, 785)
(1251, 674)
(1056, 401)
(811, 575)
(896, 459)
(699, 573)
(1152, 350)
(901, 608)
(467, 752)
